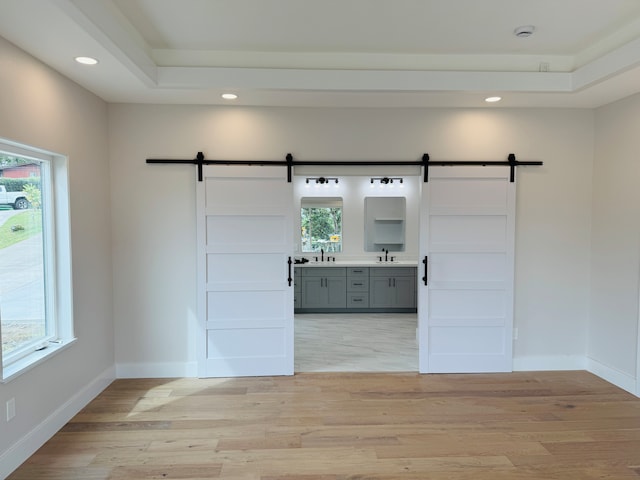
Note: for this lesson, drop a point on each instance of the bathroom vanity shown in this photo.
(355, 287)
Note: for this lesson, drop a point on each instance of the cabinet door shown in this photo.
(405, 292)
(382, 292)
(297, 289)
(314, 295)
(336, 292)
(297, 299)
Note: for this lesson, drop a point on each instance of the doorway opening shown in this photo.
(353, 339)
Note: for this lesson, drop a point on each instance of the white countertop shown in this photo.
(359, 263)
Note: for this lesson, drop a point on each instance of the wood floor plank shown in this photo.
(182, 445)
(447, 447)
(33, 472)
(153, 472)
(348, 426)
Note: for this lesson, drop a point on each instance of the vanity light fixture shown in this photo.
(229, 96)
(492, 99)
(386, 180)
(322, 180)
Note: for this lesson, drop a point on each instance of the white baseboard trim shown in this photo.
(619, 379)
(549, 362)
(157, 370)
(26, 446)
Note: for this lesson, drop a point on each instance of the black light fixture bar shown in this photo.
(386, 180)
(322, 180)
(289, 162)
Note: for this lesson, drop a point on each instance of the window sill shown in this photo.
(26, 363)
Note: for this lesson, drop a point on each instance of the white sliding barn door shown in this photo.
(245, 301)
(467, 229)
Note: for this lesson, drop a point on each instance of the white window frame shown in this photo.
(57, 262)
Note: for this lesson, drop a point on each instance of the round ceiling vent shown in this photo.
(524, 31)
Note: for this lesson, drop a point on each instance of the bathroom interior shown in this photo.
(373, 232)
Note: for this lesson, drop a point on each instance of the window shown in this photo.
(321, 223)
(35, 273)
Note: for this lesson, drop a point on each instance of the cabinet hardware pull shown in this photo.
(426, 269)
(289, 279)
(357, 284)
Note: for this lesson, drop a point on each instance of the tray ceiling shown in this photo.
(369, 53)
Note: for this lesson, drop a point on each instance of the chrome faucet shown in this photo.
(386, 254)
(322, 254)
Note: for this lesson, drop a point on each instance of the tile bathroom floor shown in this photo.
(356, 342)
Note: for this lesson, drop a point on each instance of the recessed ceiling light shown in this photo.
(86, 60)
(229, 96)
(524, 31)
(492, 99)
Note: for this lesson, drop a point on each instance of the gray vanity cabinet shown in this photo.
(355, 289)
(324, 287)
(392, 287)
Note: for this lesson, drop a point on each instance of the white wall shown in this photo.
(154, 225)
(613, 329)
(353, 189)
(43, 109)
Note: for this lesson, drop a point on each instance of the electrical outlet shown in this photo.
(11, 408)
(515, 333)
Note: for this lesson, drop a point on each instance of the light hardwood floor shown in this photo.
(339, 426)
(356, 342)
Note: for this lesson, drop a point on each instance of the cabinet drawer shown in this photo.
(357, 284)
(357, 300)
(357, 272)
(324, 272)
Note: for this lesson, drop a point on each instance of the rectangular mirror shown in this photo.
(321, 224)
(384, 219)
